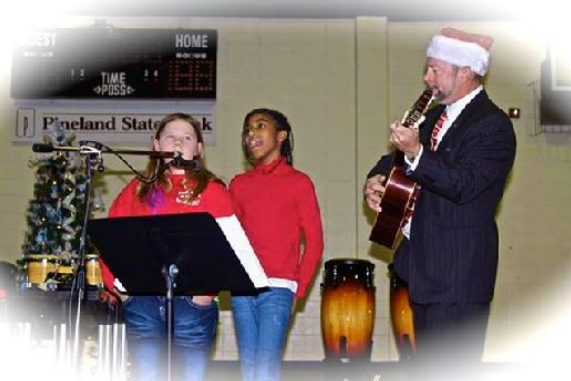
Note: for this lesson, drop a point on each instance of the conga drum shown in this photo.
(348, 309)
(93, 270)
(402, 316)
(67, 268)
(38, 267)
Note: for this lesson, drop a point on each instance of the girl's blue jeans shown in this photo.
(145, 319)
(261, 324)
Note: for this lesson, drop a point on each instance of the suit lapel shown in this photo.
(463, 121)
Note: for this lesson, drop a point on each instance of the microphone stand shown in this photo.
(90, 159)
(92, 152)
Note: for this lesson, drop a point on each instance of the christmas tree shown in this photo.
(55, 214)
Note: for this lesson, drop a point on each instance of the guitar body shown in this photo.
(394, 203)
(399, 189)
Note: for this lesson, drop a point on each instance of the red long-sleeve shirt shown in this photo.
(277, 205)
(215, 199)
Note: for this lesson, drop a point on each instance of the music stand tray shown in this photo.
(139, 249)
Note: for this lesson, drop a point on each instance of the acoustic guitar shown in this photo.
(399, 189)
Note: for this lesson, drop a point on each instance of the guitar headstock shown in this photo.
(413, 117)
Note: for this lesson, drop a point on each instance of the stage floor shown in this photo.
(372, 371)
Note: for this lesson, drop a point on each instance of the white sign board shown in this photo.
(111, 123)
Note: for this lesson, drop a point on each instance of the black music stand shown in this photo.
(147, 253)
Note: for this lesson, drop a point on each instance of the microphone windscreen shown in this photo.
(42, 147)
(194, 165)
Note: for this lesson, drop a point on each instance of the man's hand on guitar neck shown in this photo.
(405, 139)
(373, 191)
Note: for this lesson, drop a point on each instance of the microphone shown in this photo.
(177, 161)
(47, 148)
(42, 148)
(193, 165)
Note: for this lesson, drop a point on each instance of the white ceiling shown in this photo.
(395, 10)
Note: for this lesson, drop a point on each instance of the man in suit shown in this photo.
(460, 157)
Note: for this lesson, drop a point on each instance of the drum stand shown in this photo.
(61, 352)
(112, 357)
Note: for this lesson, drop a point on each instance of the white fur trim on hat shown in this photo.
(460, 53)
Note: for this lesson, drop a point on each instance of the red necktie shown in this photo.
(437, 127)
(433, 145)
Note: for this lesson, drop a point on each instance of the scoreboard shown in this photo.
(109, 63)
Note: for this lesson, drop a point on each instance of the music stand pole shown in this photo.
(170, 276)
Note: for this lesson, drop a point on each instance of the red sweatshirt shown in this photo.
(277, 205)
(215, 200)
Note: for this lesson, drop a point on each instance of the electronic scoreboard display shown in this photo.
(109, 63)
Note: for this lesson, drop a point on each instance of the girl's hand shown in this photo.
(121, 296)
(202, 300)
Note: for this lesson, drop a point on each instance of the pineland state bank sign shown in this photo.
(103, 123)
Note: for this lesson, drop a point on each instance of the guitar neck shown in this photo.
(418, 109)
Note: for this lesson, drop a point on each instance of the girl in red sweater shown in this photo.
(278, 208)
(175, 190)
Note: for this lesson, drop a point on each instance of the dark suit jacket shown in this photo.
(452, 254)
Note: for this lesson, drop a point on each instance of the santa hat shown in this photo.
(462, 49)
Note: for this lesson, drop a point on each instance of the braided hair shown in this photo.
(282, 124)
